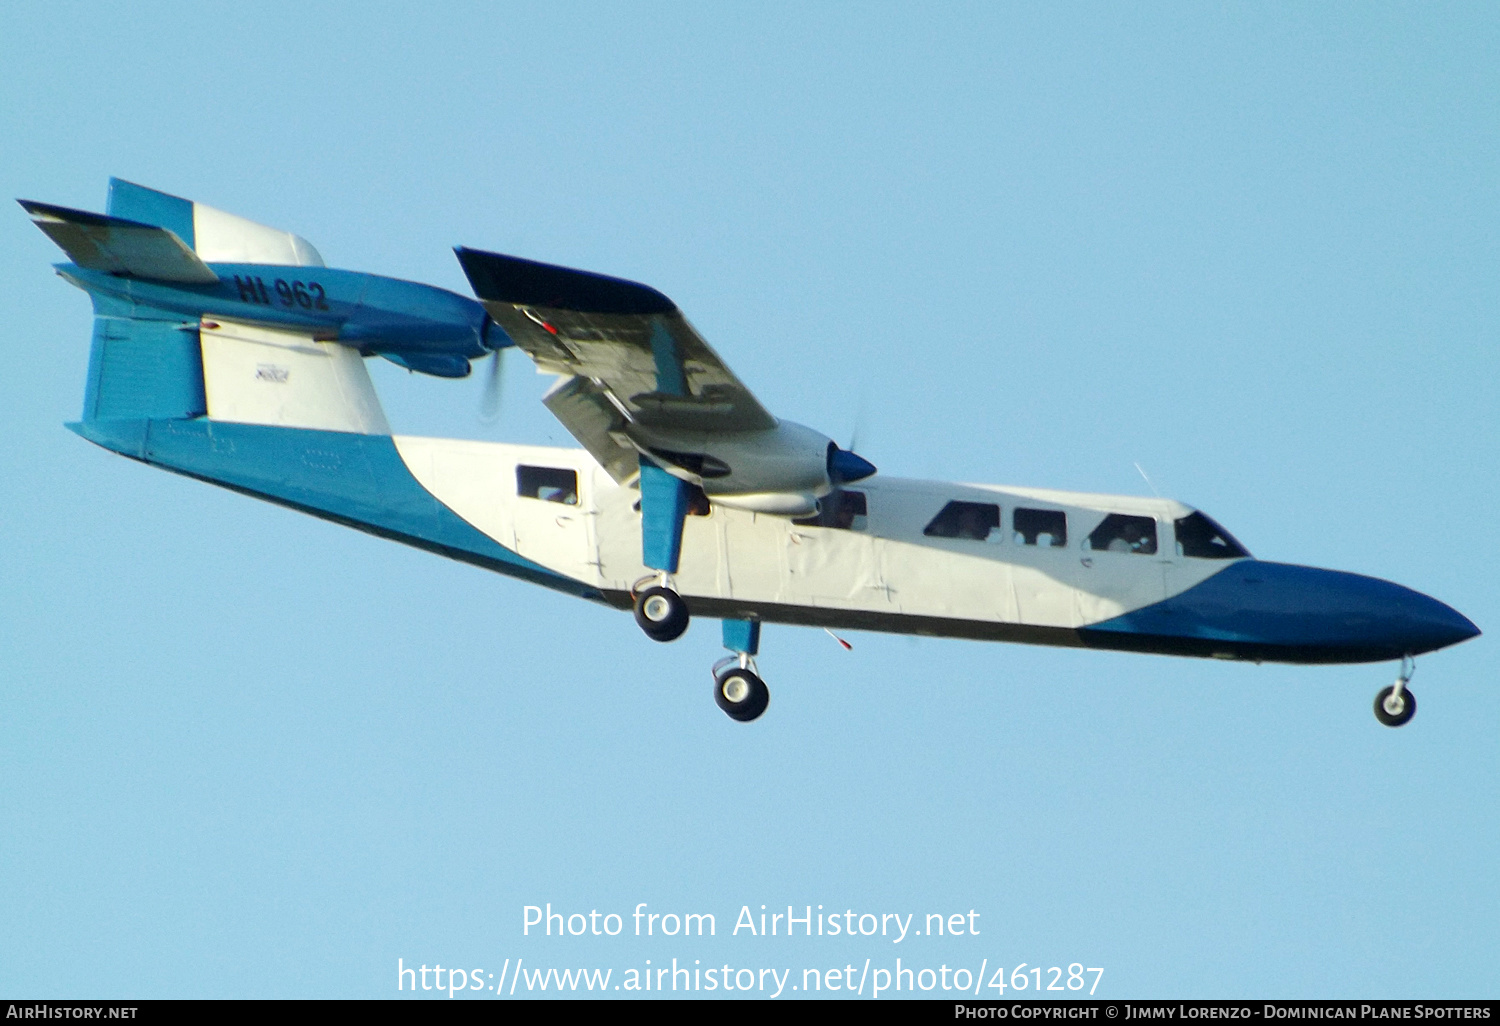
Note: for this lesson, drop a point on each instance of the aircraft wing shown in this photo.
(630, 355)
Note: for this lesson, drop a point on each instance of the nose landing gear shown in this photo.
(1396, 704)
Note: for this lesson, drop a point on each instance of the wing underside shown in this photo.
(628, 354)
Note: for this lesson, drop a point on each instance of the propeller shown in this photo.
(494, 388)
(494, 382)
(845, 465)
(859, 425)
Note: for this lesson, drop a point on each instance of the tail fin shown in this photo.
(216, 237)
(144, 364)
(259, 375)
(148, 363)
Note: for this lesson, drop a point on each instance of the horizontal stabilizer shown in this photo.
(117, 246)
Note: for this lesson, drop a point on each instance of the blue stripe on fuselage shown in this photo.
(356, 480)
(1286, 613)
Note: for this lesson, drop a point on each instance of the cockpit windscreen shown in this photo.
(1200, 537)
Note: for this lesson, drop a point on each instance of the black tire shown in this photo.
(661, 613)
(1409, 708)
(750, 694)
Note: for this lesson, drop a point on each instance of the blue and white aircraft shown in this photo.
(226, 351)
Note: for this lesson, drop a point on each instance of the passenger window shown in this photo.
(838, 509)
(549, 484)
(1200, 537)
(1040, 527)
(966, 520)
(1123, 533)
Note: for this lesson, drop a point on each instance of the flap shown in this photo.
(591, 418)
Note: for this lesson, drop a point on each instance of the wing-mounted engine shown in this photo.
(784, 470)
(639, 382)
(657, 407)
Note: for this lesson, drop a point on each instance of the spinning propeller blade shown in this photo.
(494, 388)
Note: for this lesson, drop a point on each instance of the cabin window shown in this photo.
(976, 520)
(550, 484)
(1121, 532)
(1201, 538)
(839, 509)
(1040, 526)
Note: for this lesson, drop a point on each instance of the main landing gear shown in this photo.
(663, 615)
(1396, 704)
(660, 611)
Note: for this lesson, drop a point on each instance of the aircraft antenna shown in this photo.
(1148, 481)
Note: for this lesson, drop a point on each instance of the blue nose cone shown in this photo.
(1286, 613)
(845, 466)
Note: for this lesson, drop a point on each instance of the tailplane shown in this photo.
(162, 347)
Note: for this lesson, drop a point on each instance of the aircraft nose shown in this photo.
(1434, 625)
(1342, 614)
(1300, 614)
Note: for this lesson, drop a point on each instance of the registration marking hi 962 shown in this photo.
(308, 295)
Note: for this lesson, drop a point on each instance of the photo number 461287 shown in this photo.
(1022, 978)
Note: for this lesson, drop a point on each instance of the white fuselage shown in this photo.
(880, 571)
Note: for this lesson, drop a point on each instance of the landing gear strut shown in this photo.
(659, 610)
(1396, 704)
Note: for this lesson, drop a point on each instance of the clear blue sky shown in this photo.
(1253, 248)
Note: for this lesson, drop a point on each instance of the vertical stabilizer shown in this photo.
(259, 375)
(144, 364)
(217, 237)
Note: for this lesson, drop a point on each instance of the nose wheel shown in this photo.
(1396, 704)
(661, 613)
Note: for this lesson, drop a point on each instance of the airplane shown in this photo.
(225, 350)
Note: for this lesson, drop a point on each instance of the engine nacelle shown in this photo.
(781, 504)
(788, 460)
